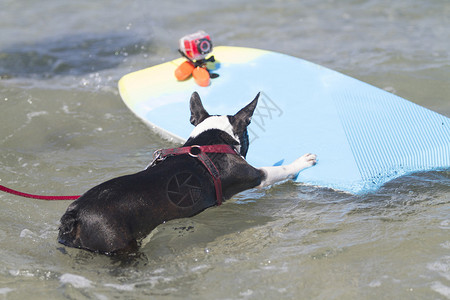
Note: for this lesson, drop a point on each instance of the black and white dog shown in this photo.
(116, 215)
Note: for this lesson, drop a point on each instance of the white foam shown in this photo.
(6, 290)
(446, 245)
(230, 260)
(101, 296)
(442, 267)
(24, 273)
(445, 224)
(158, 271)
(75, 280)
(441, 289)
(26, 233)
(375, 283)
(120, 287)
(199, 268)
(246, 293)
(34, 114)
(66, 110)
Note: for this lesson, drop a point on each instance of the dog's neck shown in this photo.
(236, 174)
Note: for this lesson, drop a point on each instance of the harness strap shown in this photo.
(209, 165)
(194, 150)
(199, 152)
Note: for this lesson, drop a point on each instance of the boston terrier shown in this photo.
(115, 216)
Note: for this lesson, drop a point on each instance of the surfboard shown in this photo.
(363, 136)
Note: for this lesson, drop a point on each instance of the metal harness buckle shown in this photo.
(156, 157)
(195, 151)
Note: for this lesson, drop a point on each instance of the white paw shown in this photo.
(306, 161)
(311, 159)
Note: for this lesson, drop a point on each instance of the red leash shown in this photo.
(39, 197)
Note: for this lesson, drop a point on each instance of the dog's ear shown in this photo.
(245, 115)
(198, 112)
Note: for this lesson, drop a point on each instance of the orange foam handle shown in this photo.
(201, 76)
(184, 70)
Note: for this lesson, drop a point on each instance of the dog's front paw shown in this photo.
(310, 159)
(306, 161)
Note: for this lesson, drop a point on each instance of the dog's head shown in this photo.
(235, 126)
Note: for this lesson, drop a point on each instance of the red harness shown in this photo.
(199, 152)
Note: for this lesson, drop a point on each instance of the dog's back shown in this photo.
(118, 213)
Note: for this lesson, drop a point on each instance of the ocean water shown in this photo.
(64, 129)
